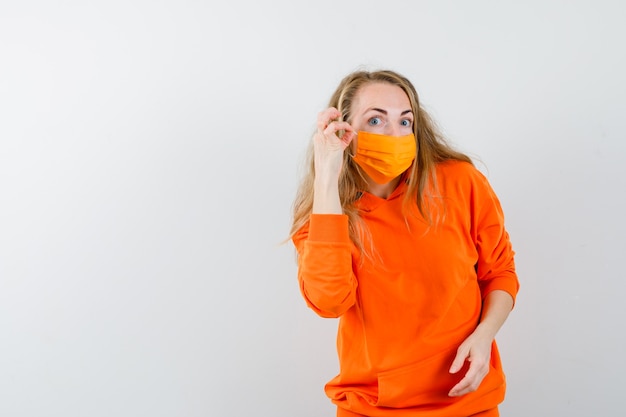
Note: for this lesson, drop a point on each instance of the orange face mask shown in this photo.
(384, 157)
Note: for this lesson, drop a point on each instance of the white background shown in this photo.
(149, 156)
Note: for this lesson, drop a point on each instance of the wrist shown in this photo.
(486, 330)
(326, 197)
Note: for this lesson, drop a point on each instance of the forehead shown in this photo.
(381, 95)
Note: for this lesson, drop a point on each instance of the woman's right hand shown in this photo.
(333, 136)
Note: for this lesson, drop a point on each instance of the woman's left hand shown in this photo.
(476, 349)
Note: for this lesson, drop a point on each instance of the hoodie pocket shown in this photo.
(422, 383)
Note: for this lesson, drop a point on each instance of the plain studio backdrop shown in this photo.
(150, 153)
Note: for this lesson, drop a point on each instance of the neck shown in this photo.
(382, 190)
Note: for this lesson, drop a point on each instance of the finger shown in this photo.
(335, 127)
(341, 131)
(470, 381)
(463, 387)
(459, 389)
(461, 355)
(324, 118)
(349, 136)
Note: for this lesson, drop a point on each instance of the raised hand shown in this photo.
(332, 137)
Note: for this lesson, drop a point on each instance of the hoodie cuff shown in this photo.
(329, 228)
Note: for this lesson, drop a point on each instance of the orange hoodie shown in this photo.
(405, 310)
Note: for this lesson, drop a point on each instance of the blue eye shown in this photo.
(406, 122)
(374, 121)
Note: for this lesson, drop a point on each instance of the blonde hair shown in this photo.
(432, 149)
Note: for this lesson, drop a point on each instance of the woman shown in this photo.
(403, 239)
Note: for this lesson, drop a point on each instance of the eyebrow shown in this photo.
(385, 111)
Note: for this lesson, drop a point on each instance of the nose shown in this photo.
(393, 129)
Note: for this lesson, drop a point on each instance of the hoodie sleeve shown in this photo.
(325, 274)
(496, 266)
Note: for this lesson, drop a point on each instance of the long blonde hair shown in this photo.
(431, 149)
